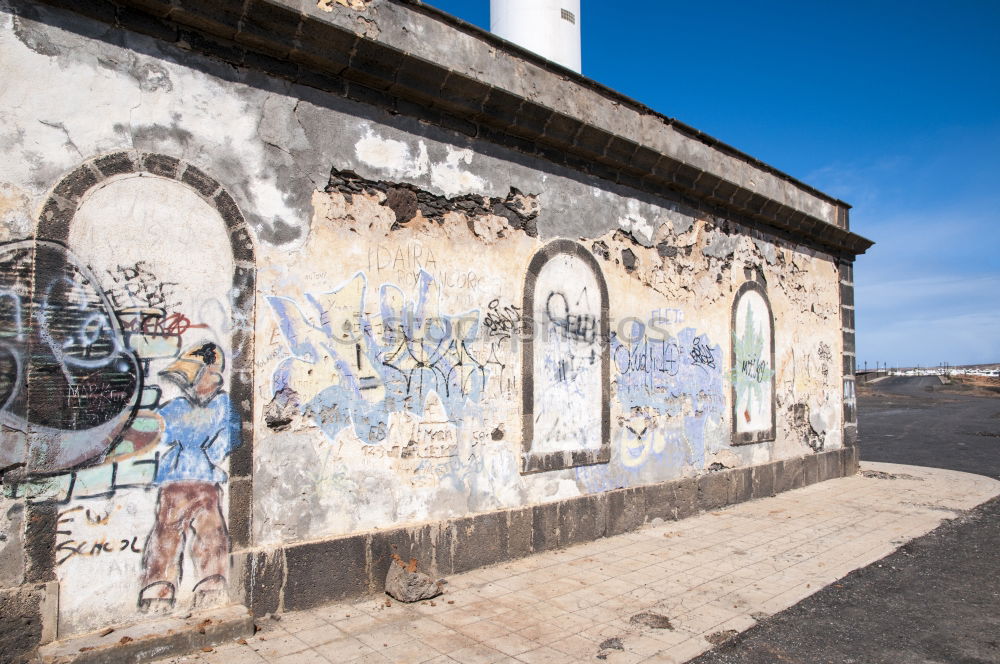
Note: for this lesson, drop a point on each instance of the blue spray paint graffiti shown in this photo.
(391, 364)
(670, 389)
(665, 373)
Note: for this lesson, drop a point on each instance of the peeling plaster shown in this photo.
(721, 246)
(127, 105)
(636, 224)
(327, 5)
(392, 157)
(396, 159)
(451, 178)
(15, 222)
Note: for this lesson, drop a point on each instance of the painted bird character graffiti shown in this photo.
(200, 431)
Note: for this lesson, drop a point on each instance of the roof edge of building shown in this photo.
(418, 60)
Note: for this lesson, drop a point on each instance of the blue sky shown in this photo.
(892, 106)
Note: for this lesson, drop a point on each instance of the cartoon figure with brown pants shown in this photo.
(200, 431)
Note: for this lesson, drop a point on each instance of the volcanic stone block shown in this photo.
(685, 497)
(20, 623)
(545, 527)
(626, 511)
(713, 490)
(789, 476)
(480, 541)
(659, 501)
(262, 575)
(740, 485)
(322, 572)
(810, 469)
(519, 532)
(763, 481)
(581, 520)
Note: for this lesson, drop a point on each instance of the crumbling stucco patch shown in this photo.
(132, 105)
(359, 5)
(451, 178)
(152, 77)
(392, 253)
(767, 250)
(15, 221)
(408, 202)
(721, 246)
(706, 264)
(724, 458)
(637, 224)
(397, 159)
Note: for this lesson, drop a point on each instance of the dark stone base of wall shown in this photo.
(302, 576)
(20, 623)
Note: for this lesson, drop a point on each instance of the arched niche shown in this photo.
(162, 246)
(565, 410)
(752, 371)
(56, 224)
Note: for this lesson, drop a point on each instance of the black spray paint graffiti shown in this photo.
(701, 354)
(647, 357)
(136, 286)
(69, 546)
(571, 335)
(502, 321)
(756, 370)
(63, 352)
(148, 311)
(580, 327)
(135, 458)
(566, 360)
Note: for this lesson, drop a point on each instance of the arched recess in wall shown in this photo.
(566, 366)
(201, 353)
(752, 372)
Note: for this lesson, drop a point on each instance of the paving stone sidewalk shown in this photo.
(665, 593)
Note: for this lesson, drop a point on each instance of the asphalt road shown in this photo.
(918, 421)
(937, 599)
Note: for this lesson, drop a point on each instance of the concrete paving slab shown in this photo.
(710, 577)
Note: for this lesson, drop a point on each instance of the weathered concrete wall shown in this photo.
(240, 314)
(394, 363)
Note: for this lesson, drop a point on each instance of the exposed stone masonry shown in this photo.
(406, 200)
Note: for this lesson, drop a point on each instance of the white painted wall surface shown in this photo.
(567, 363)
(752, 331)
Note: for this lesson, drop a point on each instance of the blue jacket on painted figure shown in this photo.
(199, 438)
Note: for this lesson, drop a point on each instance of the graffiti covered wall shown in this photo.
(238, 314)
(401, 382)
(117, 406)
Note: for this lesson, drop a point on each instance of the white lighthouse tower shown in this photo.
(550, 28)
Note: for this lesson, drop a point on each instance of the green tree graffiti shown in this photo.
(750, 373)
